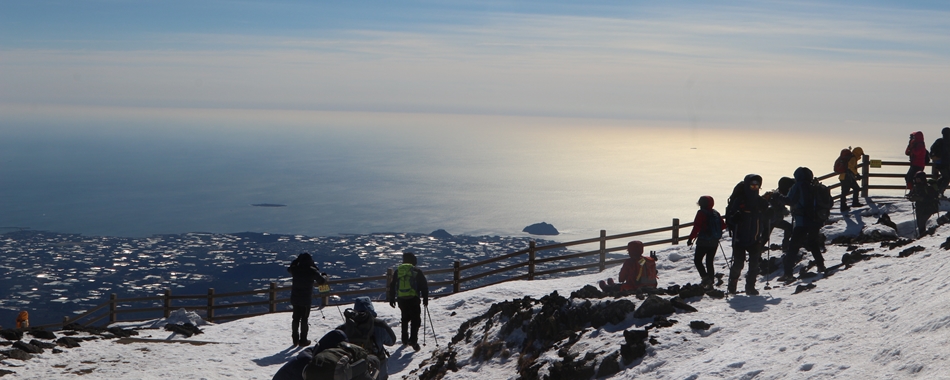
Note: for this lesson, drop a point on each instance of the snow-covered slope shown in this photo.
(885, 317)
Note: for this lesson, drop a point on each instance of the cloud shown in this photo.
(706, 62)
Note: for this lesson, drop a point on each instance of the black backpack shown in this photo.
(713, 231)
(818, 207)
(347, 361)
(360, 330)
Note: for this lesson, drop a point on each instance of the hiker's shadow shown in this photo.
(753, 304)
(278, 358)
(399, 359)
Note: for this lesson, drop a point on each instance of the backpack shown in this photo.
(345, 362)
(406, 277)
(732, 207)
(841, 164)
(713, 231)
(818, 207)
(359, 329)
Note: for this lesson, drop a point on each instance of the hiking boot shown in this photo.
(751, 291)
(415, 346)
(856, 204)
(731, 288)
(786, 278)
(304, 343)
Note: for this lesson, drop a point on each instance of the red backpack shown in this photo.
(841, 164)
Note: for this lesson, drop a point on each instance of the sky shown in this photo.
(743, 64)
(882, 318)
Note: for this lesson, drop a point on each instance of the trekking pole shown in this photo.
(729, 263)
(768, 263)
(433, 327)
(424, 326)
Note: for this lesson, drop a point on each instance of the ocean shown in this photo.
(135, 173)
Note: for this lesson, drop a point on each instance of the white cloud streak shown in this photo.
(722, 64)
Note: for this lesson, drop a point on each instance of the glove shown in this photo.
(689, 242)
(392, 304)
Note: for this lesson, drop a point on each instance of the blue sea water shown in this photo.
(150, 173)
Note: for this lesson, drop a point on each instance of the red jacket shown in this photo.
(917, 150)
(638, 272)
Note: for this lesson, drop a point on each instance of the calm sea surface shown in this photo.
(148, 172)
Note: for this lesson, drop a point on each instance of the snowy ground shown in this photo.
(884, 318)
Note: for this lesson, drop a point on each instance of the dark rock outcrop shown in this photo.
(186, 329)
(11, 334)
(541, 229)
(42, 334)
(652, 306)
(68, 342)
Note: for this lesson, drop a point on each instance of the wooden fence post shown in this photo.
(168, 302)
(456, 276)
(210, 304)
(603, 250)
(676, 231)
(272, 297)
(865, 168)
(531, 260)
(112, 307)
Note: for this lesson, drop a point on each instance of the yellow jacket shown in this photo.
(856, 154)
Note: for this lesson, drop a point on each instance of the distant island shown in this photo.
(268, 205)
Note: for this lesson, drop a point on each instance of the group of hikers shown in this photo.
(357, 348)
(750, 218)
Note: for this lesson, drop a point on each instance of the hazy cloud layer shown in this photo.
(743, 63)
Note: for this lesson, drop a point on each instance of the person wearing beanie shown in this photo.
(363, 328)
(747, 219)
(940, 159)
(409, 288)
(637, 272)
(806, 229)
(304, 274)
(849, 178)
(707, 230)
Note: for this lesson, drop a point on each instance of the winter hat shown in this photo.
(803, 175)
(920, 176)
(753, 179)
(945, 132)
(305, 258)
(706, 202)
(331, 340)
(785, 184)
(410, 258)
(635, 248)
(364, 304)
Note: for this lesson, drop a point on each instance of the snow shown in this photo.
(882, 318)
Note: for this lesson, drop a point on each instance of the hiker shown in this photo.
(332, 358)
(778, 211)
(707, 230)
(304, 273)
(638, 272)
(925, 195)
(807, 220)
(917, 151)
(849, 178)
(747, 221)
(407, 287)
(940, 157)
(364, 329)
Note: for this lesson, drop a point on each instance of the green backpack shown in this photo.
(406, 275)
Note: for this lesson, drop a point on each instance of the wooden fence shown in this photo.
(212, 305)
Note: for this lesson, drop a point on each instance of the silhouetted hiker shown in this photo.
(940, 157)
(707, 230)
(924, 194)
(777, 210)
(408, 288)
(917, 151)
(807, 220)
(748, 222)
(849, 178)
(364, 329)
(637, 272)
(304, 273)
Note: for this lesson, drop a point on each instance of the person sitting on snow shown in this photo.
(637, 272)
